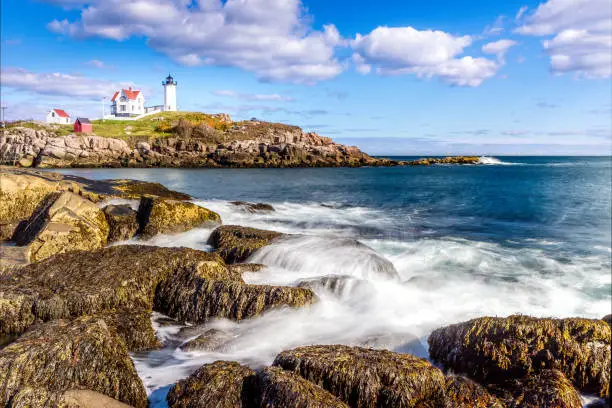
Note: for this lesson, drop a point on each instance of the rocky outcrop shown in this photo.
(545, 389)
(461, 392)
(235, 244)
(279, 389)
(61, 356)
(222, 385)
(134, 327)
(122, 222)
(63, 222)
(445, 160)
(253, 207)
(493, 350)
(162, 216)
(368, 378)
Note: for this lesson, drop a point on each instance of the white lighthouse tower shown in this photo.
(170, 94)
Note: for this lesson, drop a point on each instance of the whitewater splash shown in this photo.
(492, 161)
(374, 292)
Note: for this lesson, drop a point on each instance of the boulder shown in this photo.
(122, 222)
(210, 340)
(235, 244)
(43, 398)
(221, 385)
(368, 378)
(205, 299)
(134, 327)
(492, 350)
(63, 222)
(462, 392)
(280, 389)
(60, 356)
(545, 389)
(161, 216)
(253, 207)
(20, 195)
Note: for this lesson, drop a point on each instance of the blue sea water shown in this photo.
(527, 235)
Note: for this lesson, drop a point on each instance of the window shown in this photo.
(122, 108)
(52, 114)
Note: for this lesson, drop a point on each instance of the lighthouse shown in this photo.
(170, 94)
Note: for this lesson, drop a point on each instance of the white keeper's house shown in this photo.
(129, 103)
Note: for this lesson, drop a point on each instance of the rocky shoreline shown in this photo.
(269, 146)
(72, 308)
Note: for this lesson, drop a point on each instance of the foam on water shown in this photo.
(380, 292)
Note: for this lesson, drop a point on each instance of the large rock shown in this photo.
(206, 299)
(461, 392)
(545, 389)
(161, 216)
(20, 195)
(61, 356)
(63, 222)
(43, 398)
(253, 207)
(281, 389)
(368, 378)
(221, 385)
(235, 244)
(122, 222)
(492, 350)
(134, 327)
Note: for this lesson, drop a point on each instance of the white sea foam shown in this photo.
(439, 281)
(493, 161)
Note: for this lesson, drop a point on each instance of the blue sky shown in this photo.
(393, 77)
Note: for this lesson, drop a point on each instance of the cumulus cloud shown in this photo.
(498, 48)
(58, 84)
(271, 38)
(426, 54)
(581, 32)
(253, 97)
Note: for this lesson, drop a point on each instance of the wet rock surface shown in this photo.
(254, 207)
(279, 389)
(492, 350)
(445, 160)
(368, 378)
(222, 384)
(60, 356)
(122, 222)
(210, 340)
(462, 392)
(162, 216)
(235, 244)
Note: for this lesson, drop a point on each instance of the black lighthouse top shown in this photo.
(169, 81)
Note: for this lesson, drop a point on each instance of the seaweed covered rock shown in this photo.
(462, 392)
(63, 222)
(210, 340)
(368, 378)
(280, 389)
(493, 350)
(122, 222)
(221, 385)
(134, 327)
(60, 356)
(253, 207)
(21, 194)
(235, 244)
(43, 398)
(205, 299)
(545, 389)
(84, 283)
(161, 216)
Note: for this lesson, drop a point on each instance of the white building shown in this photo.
(170, 94)
(127, 102)
(58, 116)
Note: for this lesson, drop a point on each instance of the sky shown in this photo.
(395, 77)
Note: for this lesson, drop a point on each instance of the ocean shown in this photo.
(528, 235)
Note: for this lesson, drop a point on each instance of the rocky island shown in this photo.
(184, 139)
(72, 308)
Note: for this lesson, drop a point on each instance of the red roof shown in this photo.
(61, 113)
(128, 93)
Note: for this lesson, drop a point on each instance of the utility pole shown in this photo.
(2, 119)
(103, 99)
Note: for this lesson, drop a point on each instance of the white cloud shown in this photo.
(581, 33)
(427, 54)
(253, 97)
(96, 64)
(498, 48)
(271, 38)
(521, 13)
(496, 28)
(58, 84)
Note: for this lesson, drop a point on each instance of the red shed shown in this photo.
(83, 125)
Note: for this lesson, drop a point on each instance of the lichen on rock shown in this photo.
(235, 244)
(493, 350)
(61, 356)
(162, 216)
(368, 378)
(122, 222)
